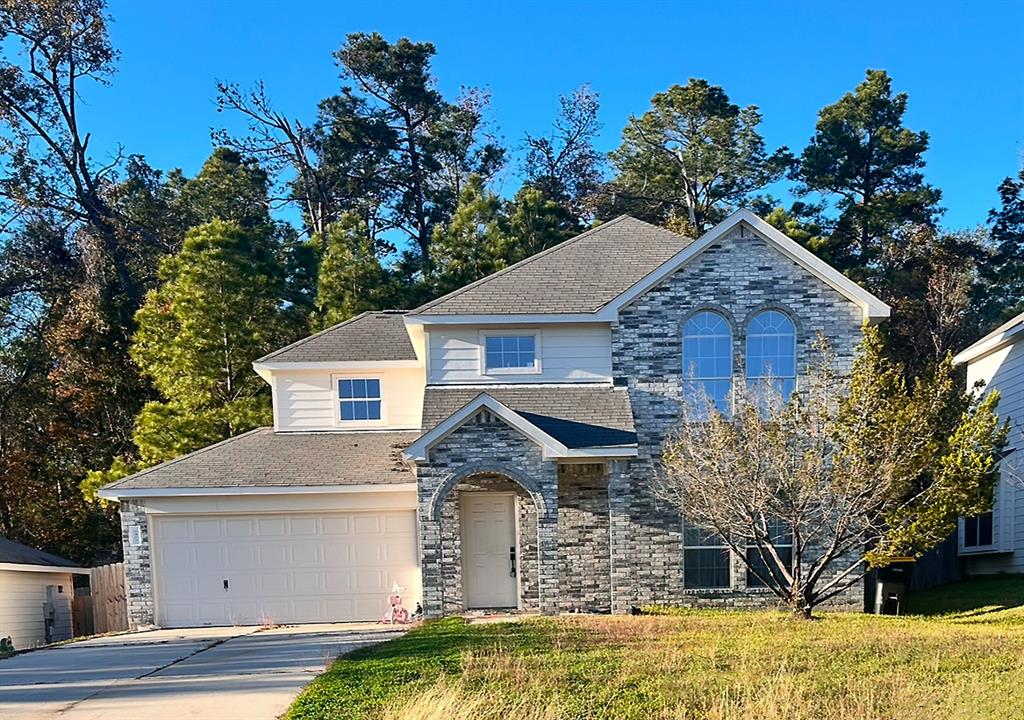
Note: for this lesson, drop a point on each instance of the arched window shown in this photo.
(707, 358)
(771, 351)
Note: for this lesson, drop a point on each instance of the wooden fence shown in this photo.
(109, 607)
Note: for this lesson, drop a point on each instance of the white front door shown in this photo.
(488, 548)
(283, 568)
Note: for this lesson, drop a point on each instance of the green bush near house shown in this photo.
(953, 660)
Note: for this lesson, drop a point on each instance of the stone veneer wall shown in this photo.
(137, 566)
(451, 541)
(485, 446)
(737, 277)
(584, 562)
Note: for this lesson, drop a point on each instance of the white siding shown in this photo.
(1004, 370)
(307, 400)
(569, 353)
(22, 597)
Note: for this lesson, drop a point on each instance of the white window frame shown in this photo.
(732, 360)
(521, 332)
(724, 548)
(755, 380)
(336, 396)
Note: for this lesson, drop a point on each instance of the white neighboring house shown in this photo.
(994, 542)
(35, 595)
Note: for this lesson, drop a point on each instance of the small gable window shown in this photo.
(707, 359)
(360, 399)
(512, 353)
(771, 352)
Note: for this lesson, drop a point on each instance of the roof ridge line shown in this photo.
(308, 338)
(523, 262)
(186, 456)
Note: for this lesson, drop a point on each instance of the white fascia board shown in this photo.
(599, 452)
(22, 567)
(115, 494)
(419, 451)
(335, 365)
(523, 319)
(989, 343)
(873, 308)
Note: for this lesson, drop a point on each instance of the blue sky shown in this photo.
(961, 63)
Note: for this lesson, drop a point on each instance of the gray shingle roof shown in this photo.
(374, 335)
(576, 415)
(581, 275)
(12, 552)
(263, 458)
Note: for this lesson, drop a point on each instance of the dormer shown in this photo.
(363, 374)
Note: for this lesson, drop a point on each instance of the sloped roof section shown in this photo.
(1009, 332)
(18, 554)
(371, 336)
(580, 275)
(264, 458)
(578, 416)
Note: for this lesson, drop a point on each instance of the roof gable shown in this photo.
(872, 307)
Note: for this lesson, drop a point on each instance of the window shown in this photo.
(978, 530)
(705, 558)
(360, 399)
(707, 359)
(782, 540)
(510, 353)
(771, 351)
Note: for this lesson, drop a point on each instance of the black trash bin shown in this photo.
(891, 585)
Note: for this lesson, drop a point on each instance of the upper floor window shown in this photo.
(707, 358)
(978, 530)
(360, 399)
(771, 351)
(511, 353)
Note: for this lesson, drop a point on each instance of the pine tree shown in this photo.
(351, 279)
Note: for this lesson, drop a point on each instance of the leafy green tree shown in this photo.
(690, 159)
(475, 242)
(352, 279)
(869, 164)
(219, 307)
(1001, 293)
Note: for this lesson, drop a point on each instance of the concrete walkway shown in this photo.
(223, 673)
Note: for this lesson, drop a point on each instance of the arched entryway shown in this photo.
(488, 520)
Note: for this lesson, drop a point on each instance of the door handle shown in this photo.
(512, 560)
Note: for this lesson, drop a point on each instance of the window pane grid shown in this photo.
(978, 530)
(781, 537)
(705, 558)
(510, 351)
(771, 351)
(360, 399)
(707, 359)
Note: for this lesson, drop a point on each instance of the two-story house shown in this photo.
(994, 542)
(493, 448)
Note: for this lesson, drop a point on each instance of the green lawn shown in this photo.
(962, 657)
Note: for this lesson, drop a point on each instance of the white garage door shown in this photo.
(287, 568)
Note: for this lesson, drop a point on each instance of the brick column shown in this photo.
(138, 573)
(620, 536)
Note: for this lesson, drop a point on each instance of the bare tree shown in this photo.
(846, 474)
(565, 164)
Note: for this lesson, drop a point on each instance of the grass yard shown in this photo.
(962, 657)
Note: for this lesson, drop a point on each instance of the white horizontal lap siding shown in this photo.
(22, 598)
(569, 353)
(308, 400)
(1003, 370)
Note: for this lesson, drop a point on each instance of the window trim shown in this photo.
(726, 553)
(994, 546)
(336, 398)
(731, 377)
(535, 333)
(757, 379)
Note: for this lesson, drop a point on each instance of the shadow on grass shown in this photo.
(970, 598)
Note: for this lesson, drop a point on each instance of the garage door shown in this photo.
(287, 568)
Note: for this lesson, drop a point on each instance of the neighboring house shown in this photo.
(35, 595)
(493, 448)
(994, 542)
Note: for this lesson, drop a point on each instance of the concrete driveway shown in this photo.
(222, 673)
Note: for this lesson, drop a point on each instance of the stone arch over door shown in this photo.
(507, 460)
